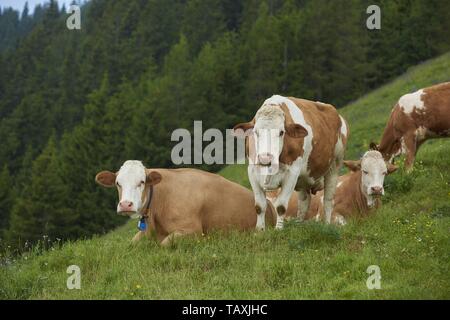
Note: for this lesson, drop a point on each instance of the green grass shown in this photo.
(408, 239)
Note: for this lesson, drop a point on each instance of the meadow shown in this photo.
(408, 238)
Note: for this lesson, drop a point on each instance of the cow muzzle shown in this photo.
(265, 159)
(126, 207)
(376, 191)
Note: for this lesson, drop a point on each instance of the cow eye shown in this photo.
(142, 182)
(365, 172)
(281, 133)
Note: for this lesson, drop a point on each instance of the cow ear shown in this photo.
(373, 146)
(295, 130)
(353, 165)
(391, 168)
(106, 179)
(153, 177)
(243, 129)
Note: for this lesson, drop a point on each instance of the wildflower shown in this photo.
(138, 286)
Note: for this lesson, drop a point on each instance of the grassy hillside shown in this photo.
(408, 239)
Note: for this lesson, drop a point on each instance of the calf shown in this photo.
(294, 144)
(358, 192)
(416, 118)
(176, 202)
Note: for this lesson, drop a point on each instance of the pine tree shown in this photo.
(6, 199)
(203, 22)
(39, 210)
(263, 55)
(84, 152)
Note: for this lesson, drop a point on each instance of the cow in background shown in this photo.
(417, 117)
(358, 192)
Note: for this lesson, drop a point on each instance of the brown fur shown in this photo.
(190, 201)
(326, 124)
(349, 200)
(435, 119)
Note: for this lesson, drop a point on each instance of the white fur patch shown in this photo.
(297, 115)
(344, 130)
(412, 101)
(130, 178)
(340, 220)
(374, 171)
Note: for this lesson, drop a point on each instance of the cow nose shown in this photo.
(125, 205)
(265, 158)
(377, 190)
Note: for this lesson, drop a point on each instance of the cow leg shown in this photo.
(282, 201)
(137, 237)
(411, 149)
(261, 207)
(260, 201)
(171, 238)
(304, 200)
(330, 189)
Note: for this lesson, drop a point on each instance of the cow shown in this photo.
(177, 202)
(416, 117)
(358, 193)
(294, 144)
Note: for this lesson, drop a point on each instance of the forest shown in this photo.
(73, 102)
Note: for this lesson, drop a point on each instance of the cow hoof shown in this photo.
(279, 225)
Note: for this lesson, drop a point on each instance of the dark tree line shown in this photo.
(73, 102)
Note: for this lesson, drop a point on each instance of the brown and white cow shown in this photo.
(176, 202)
(294, 144)
(417, 117)
(358, 192)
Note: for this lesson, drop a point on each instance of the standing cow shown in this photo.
(417, 117)
(294, 144)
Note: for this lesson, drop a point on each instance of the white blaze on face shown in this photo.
(131, 184)
(373, 172)
(412, 101)
(268, 133)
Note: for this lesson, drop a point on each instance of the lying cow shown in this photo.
(357, 193)
(176, 202)
(294, 144)
(416, 118)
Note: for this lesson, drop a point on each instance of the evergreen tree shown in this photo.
(6, 199)
(263, 56)
(85, 152)
(39, 209)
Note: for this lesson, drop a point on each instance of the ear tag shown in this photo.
(142, 225)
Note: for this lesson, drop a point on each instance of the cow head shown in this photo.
(133, 182)
(268, 130)
(390, 150)
(373, 171)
